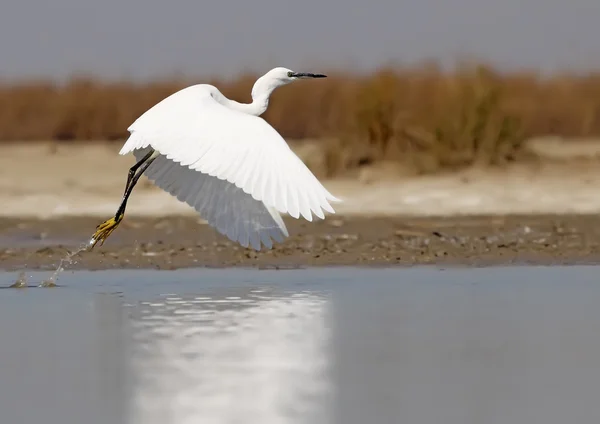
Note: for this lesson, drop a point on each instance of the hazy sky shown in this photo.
(149, 38)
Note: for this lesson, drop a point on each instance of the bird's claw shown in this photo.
(104, 230)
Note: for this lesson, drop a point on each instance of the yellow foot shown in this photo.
(104, 230)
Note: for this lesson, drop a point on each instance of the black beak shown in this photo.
(307, 75)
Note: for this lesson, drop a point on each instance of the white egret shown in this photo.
(226, 162)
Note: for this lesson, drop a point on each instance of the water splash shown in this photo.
(68, 259)
(21, 281)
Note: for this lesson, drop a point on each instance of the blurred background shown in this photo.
(465, 94)
(431, 108)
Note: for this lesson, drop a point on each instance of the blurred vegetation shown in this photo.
(420, 116)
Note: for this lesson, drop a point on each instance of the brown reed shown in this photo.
(422, 116)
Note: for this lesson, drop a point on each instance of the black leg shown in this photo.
(131, 182)
(135, 167)
(106, 228)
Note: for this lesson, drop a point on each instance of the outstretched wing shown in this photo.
(224, 206)
(196, 133)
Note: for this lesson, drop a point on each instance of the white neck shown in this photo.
(256, 108)
(261, 91)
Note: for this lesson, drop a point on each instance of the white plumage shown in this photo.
(226, 162)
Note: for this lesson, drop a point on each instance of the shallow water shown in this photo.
(420, 345)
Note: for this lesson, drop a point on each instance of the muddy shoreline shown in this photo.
(179, 242)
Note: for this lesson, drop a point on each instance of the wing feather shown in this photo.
(194, 131)
(224, 206)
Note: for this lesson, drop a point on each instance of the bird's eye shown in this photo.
(290, 74)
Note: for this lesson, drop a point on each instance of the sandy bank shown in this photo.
(88, 179)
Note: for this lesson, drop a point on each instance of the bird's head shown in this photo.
(277, 77)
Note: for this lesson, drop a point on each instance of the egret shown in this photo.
(225, 161)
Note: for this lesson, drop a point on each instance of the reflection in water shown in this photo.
(249, 358)
(493, 346)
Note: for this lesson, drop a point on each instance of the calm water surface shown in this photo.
(464, 346)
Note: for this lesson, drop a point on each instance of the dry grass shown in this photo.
(419, 116)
